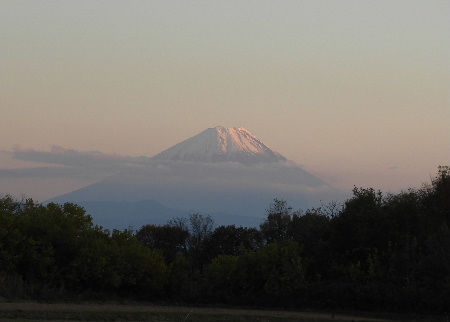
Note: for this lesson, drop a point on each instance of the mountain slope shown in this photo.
(222, 144)
(219, 171)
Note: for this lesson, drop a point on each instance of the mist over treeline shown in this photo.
(376, 251)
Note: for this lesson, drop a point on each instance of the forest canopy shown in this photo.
(376, 251)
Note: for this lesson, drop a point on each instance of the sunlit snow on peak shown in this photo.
(222, 144)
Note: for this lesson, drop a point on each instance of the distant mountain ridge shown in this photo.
(224, 172)
(222, 144)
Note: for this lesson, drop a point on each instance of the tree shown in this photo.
(312, 231)
(232, 240)
(171, 240)
(436, 199)
(201, 227)
(275, 272)
(360, 226)
(276, 225)
(142, 271)
(221, 278)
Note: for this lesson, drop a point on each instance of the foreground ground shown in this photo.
(130, 312)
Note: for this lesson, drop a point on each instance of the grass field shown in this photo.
(131, 312)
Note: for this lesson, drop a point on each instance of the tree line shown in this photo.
(375, 251)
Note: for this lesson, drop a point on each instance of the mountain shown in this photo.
(128, 214)
(221, 144)
(227, 173)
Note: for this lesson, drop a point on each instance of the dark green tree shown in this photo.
(276, 225)
(232, 240)
(171, 240)
(272, 275)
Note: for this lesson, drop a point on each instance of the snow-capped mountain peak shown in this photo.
(222, 144)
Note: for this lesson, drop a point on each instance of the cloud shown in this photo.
(146, 178)
(45, 174)
(63, 162)
(41, 172)
(211, 187)
(64, 156)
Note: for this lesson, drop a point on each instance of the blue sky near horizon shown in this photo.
(356, 92)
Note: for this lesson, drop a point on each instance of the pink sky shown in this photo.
(356, 92)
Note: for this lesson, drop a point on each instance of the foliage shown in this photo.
(276, 225)
(56, 249)
(374, 252)
(232, 240)
(171, 240)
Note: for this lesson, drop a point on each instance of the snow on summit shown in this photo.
(222, 144)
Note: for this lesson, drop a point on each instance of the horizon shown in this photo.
(74, 170)
(354, 92)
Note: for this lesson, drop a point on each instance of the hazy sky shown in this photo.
(356, 92)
